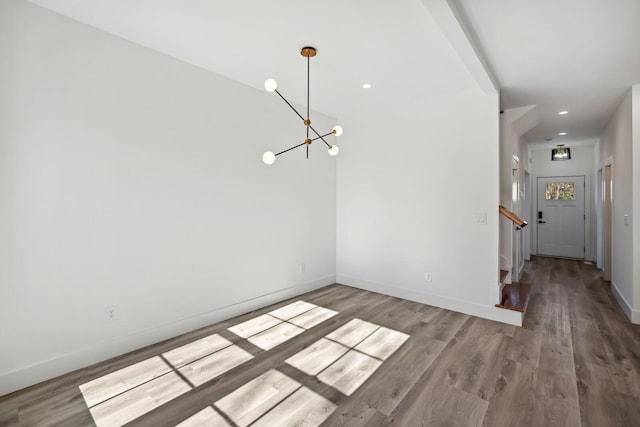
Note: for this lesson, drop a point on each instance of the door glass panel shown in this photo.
(560, 191)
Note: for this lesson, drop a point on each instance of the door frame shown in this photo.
(516, 235)
(527, 215)
(607, 229)
(599, 217)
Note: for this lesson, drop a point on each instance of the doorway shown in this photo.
(517, 261)
(561, 216)
(607, 192)
(526, 214)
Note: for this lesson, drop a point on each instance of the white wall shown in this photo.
(617, 144)
(130, 179)
(407, 195)
(581, 163)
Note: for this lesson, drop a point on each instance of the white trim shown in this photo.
(485, 311)
(633, 315)
(599, 203)
(62, 364)
(527, 215)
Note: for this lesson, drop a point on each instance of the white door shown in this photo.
(561, 216)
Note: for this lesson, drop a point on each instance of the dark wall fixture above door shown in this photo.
(561, 153)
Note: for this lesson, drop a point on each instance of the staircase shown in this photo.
(515, 296)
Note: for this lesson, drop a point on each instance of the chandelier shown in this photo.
(561, 153)
(271, 86)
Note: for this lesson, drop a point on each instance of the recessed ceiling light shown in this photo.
(366, 86)
(562, 133)
(563, 112)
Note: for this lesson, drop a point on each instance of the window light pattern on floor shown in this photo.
(347, 357)
(207, 417)
(274, 399)
(278, 326)
(124, 395)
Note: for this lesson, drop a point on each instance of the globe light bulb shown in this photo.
(333, 150)
(337, 130)
(270, 85)
(269, 157)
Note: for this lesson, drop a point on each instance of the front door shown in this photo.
(561, 217)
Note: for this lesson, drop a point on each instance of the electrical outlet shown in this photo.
(427, 277)
(111, 313)
(303, 267)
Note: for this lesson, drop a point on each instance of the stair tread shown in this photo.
(515, 296)
(503, 275)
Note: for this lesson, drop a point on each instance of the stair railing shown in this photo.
(512, 217)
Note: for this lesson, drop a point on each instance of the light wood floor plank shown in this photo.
(302, 408)
(110, 385)
(132, 404)
(349, 372)
(256, 325)
(275, 336)
(257, 397)
(319, 356)
(312, 317)
(209, 367)
(353, 332)
(195, 350)
(207, 417)
(292, 310)
(382, 343)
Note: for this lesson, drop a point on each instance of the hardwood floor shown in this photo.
(575, 361)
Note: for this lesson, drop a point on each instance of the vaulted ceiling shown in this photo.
(393, 45)
(575, 55)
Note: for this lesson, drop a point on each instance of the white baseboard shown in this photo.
(485, 311)
(46, 369)
(633, 315)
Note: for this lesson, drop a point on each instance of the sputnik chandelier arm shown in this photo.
(271, 86)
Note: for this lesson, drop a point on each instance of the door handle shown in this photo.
(542, 222)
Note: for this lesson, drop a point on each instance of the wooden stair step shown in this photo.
(503, 275)
(515, 296)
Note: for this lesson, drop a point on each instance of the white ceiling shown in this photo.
(393, 45)
(575, 55)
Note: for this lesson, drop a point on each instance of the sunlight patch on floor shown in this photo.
(124, 395)
(110, 385)
(214, 365)
(347, 357)
(127, 394)
(207, 417)
(278, 326)
(128, 406)
(274, 399)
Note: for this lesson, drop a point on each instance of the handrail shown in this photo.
(513, 217)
